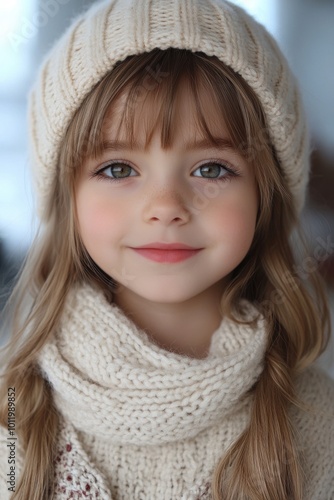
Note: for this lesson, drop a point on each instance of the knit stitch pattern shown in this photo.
(74, 472)
(123, 394)
(112, 30)
(141, 385)
(139, 422)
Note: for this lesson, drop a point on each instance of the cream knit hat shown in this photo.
(114, 29)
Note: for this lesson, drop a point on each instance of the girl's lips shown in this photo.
(160, 255)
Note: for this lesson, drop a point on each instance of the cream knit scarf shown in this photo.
(110, 380)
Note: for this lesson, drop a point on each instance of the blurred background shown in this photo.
(304, 30)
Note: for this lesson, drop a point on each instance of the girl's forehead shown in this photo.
(146, 111)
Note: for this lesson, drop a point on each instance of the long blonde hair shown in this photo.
(263, 463)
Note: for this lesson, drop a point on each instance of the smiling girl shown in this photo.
(162, 341)
(136, 212)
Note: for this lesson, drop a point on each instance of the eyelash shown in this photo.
(231, 171)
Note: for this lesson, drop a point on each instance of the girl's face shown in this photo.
(202, 197)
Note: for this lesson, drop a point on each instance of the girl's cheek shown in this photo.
(234, 220)
(92, 214)
(235, 223)
(98, 222)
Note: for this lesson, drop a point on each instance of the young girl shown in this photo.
(162, 328)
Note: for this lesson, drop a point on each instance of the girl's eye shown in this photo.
(117, 170)
(215, 171)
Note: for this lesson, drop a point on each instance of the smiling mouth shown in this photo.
(167, 255)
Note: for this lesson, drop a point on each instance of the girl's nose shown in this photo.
(166, 207)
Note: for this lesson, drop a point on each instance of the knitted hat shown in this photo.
(114, 29)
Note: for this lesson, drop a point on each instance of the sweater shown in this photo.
(139, 422)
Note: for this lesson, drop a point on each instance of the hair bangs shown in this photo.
(153, 83)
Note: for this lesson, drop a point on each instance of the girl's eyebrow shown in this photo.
(221, 143)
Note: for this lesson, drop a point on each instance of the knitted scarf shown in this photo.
(114, 385)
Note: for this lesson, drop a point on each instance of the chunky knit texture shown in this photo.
(139, 422)
(114, 29)
(142, 387)
(140, 408)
